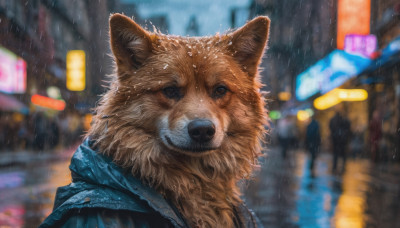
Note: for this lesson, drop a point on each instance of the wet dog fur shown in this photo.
(163, 83)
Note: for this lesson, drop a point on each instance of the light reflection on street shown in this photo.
(351, 204)
(292, 197)
(27, 195)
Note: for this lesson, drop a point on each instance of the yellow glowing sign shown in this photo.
(352, 94)
(76, 79)
(336, 96)
(353, 18)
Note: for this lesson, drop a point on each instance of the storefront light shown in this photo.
(284, 96)
(303, 115)
(336, 96)
(352, 94)
(47, 102)
(275, 115)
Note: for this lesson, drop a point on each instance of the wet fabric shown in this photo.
(104, 195)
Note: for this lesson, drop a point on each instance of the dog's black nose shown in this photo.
(201, 130)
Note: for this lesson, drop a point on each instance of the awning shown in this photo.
(328, 73)
(10, 103)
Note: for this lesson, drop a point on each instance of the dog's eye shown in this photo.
(220, 91)
(172, 92)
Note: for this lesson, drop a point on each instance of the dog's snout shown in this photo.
(201, 130)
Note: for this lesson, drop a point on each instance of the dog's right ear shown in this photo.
(130, 43)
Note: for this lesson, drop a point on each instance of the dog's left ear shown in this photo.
(248, 44)
(130, 43)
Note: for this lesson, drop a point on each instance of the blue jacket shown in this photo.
(104, 195)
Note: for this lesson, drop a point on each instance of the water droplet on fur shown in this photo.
(159, 82)
(194, 66)
(165, 67)
(134, 72)
(230, 43)
(201, 100)
(190, 53)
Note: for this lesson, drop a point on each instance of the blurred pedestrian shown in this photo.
(285, 130)
(340, 134)
(313, 142)
(375, 135)
(40, 130)
(54, 135)
(357, 142)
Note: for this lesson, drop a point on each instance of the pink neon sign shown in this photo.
(360, 44)
(12, 72)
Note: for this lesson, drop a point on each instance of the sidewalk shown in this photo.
(23, 157)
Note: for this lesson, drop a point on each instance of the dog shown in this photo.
(185, 115)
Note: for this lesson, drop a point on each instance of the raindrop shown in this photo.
(165, 67)
(190, 53)
(230, 43)
(194, 66)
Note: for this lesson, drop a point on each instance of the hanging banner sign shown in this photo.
(76, 78)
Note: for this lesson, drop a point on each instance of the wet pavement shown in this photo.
(27, 191)
(283, 194)
(286, 194)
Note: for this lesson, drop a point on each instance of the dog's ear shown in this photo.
(130, 43)
(248, 43)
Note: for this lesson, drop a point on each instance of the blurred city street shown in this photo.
(330, 77)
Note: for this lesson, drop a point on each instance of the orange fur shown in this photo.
(202, 185)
